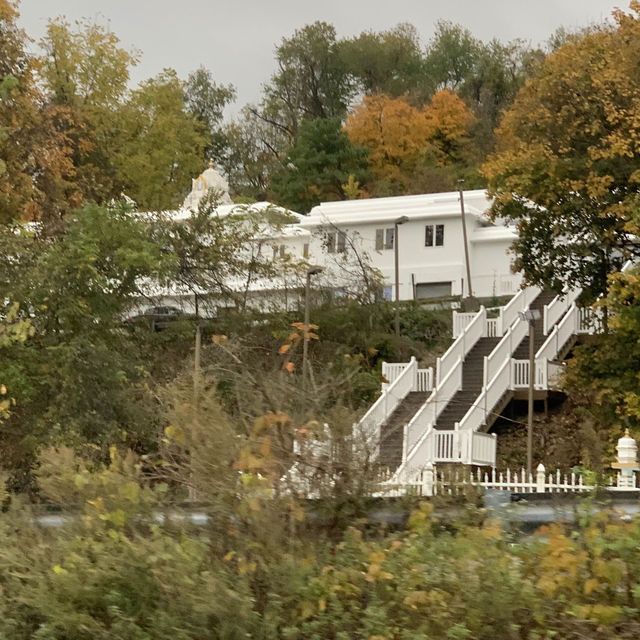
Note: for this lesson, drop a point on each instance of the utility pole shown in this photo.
(531, 315)
(198, 348)
(396, 249)
(532, 377)
(464, 236)
(312, 271)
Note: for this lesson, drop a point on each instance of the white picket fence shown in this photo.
(429, 482)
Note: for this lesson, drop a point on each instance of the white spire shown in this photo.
(208, 179)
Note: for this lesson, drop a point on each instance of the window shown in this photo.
(305, 250)
(430, 236)
(336, 241)
(384, 238)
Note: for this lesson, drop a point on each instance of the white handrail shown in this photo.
(460, 322)
(386, 404)
(519, 302)
(462, 345)
(558, 337)
(391, 370)
(457, 445)
(504, 349)
(553, 311)
(428, 413)
(488, 398)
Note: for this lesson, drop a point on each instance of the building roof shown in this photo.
(422, 206)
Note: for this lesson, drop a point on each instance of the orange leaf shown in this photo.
(284, 348)
(289, 366)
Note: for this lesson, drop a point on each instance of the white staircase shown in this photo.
(502, 375)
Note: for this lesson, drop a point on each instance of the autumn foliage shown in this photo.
(402, 138)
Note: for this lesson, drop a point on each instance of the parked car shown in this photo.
(158, 318)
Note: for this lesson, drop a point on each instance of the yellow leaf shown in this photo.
(174, 433)
(590, 585)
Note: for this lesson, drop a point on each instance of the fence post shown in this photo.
(427, 480)
(540, 471)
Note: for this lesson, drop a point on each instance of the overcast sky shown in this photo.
(235, 39)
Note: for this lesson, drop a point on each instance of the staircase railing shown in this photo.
(553, 311)
(462, 320)
(488, 398)
(519, 302)
(462, 345)
(423, 377)
(386, 404)
(428, 413)
(561, 333)
(452, 446)
(424, 380)
(504, 349)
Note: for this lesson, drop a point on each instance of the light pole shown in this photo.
(311, 271)
(531, 316)
(396, 250)
(464, 236)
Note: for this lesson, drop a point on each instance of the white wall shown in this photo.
(488, 244)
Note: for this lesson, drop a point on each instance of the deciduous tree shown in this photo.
(566, 168)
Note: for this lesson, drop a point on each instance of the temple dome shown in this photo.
(207, 180)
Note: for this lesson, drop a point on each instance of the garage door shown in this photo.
(426, 290)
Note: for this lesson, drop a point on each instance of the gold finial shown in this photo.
(210, 163)
(626, 433)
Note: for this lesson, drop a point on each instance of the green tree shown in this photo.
(311, 81)
(205, 99)
(160, 145)
(251, 155)
(318, 165)
(387, 62)
(85, 74)
(80, 377)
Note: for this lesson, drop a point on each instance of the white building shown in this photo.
(431, 254)
(431, 257)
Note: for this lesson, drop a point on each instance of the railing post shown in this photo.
(485, 371)
(437, 372)
(427, 480)
(494, 450)
(405, 433)
(540, 481)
